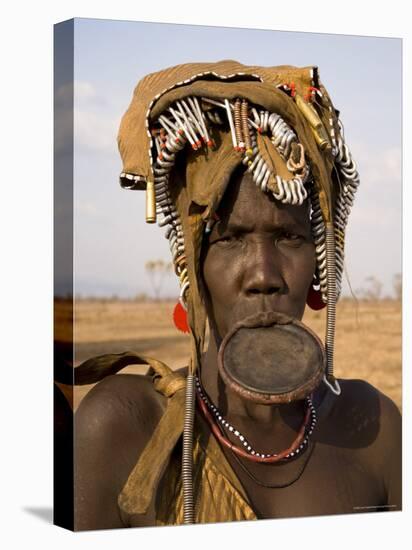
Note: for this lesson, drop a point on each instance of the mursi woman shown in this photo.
(248, 171)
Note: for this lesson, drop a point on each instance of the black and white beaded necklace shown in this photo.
(225, 424)
(306, 443)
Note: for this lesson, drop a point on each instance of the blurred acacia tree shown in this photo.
(374, 290)
(157, 270)
(397, 286)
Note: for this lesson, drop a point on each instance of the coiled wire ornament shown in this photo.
(329, 379)
(187, 451)
(288, 191)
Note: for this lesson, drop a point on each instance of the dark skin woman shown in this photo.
(259, 257)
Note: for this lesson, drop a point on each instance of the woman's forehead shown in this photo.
(244, 203)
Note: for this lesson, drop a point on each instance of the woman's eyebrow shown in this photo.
(292, 226)
(234, 226)
(240, 226)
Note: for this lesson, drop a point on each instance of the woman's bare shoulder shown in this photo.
(119, 396)
(113, 424)
(361, 398)
(374, 424)
(368, 419)
(122, 411)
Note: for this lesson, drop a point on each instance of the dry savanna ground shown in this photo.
(368, 337)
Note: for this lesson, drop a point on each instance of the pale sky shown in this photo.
(362, 75)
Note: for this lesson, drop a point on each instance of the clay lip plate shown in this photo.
(271, 358)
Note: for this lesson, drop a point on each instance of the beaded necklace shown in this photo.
(246, 451)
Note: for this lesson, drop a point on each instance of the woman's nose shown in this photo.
(263, 275)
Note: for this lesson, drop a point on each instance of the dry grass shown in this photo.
(368, 337)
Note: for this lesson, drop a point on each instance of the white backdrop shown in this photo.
(26, 274)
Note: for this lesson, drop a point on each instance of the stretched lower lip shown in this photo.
(277, 365)
(263, 319)
(258, 308)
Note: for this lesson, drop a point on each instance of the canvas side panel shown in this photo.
(63, 275)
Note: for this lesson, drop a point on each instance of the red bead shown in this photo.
(314, 299)
(180, 318)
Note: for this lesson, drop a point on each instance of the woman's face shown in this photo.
(259, 257)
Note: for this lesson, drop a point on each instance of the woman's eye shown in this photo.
(225, 240)
(291, 239)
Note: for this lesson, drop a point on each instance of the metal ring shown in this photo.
(336, 390)
(182, 293)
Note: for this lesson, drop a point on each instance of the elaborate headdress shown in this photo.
(277, 121)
